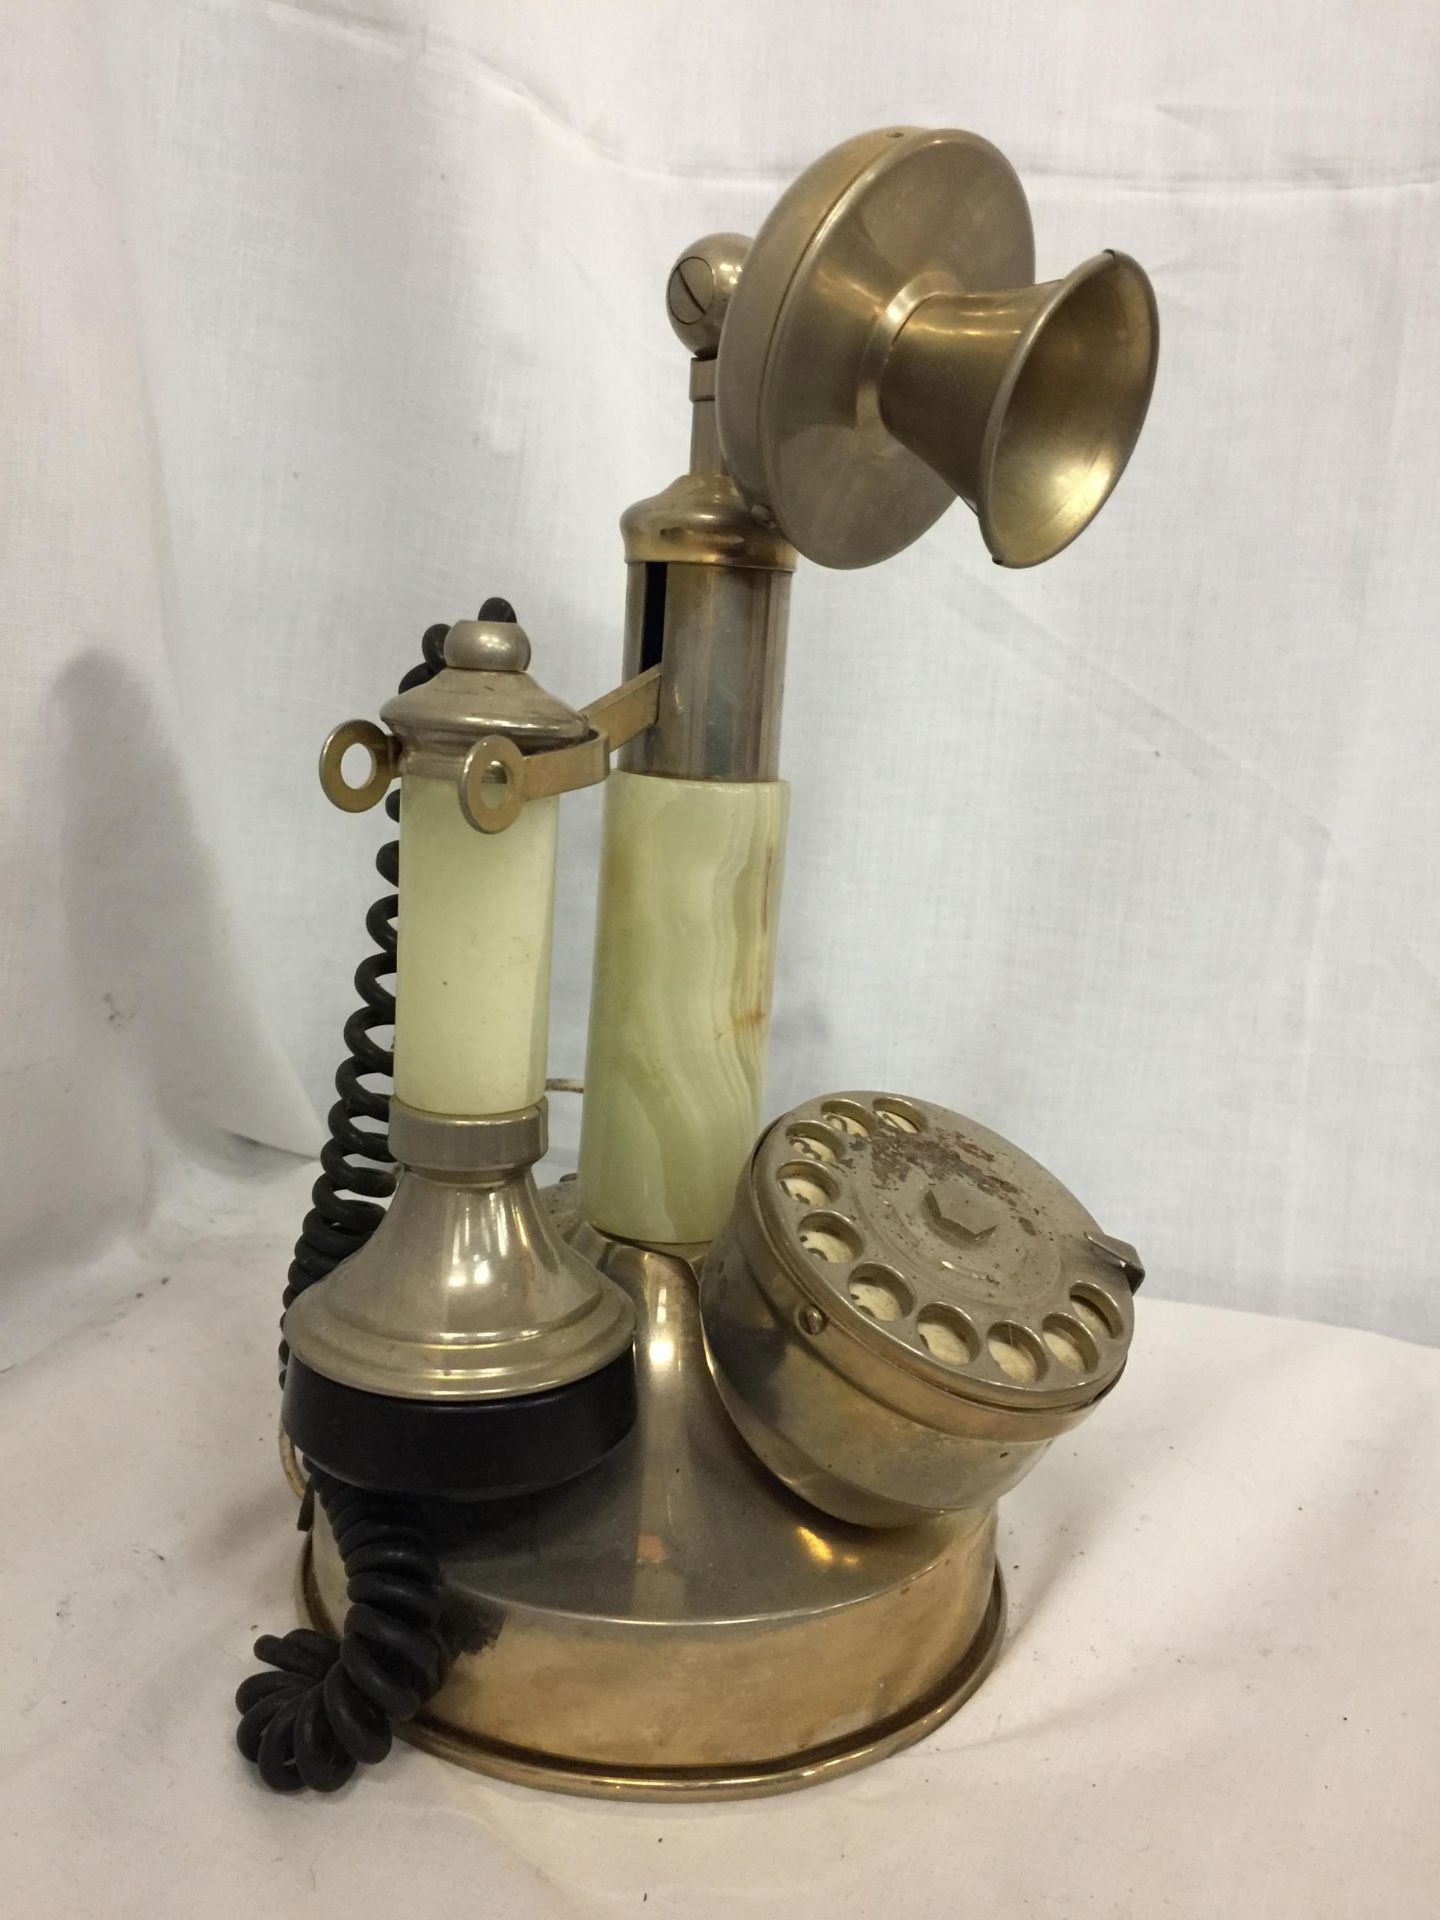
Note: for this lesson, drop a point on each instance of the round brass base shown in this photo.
(560, 1775)
(676, 1623)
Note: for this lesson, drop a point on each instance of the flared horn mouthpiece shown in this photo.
(1029, 402)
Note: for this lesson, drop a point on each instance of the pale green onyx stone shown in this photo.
(680, 1014)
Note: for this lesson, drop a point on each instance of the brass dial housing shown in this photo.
(904, 1309)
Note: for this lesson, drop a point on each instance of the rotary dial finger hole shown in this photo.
(1016, 1352)
(881, 1294)
(1070, 1343)
(830, 1237)
(816, 1143)
(948, 1335)
(1096, 1312)
(808, 1182)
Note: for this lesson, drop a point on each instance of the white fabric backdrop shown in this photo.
(321, 320)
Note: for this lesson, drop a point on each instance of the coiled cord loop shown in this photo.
(326, 1707)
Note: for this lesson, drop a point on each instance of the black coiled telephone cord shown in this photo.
(322, 1706)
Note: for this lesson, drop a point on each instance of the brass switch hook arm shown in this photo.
(615, 718)
(496, 777)
(627, 710)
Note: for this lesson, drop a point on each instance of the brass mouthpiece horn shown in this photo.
(1028, 403)
(869, 373)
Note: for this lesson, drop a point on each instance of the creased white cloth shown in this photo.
(321, 320)
(1217, 1695)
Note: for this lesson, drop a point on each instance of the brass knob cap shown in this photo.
(697, 293)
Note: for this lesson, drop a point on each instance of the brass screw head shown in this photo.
(691, 289)
(699, 289)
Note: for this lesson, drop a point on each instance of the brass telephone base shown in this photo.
(528, 1768)
(676, 1624)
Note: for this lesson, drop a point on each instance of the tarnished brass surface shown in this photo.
(527, 1768)
(722, 671)
(904, 1310)
(438, 721)
(497, 779)
(676, 1623)
(701, 519)
(627, 710)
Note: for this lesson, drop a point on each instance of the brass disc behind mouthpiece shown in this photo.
(887, 349)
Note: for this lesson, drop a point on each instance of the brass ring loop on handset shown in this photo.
(492, 786)
(380, 746)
